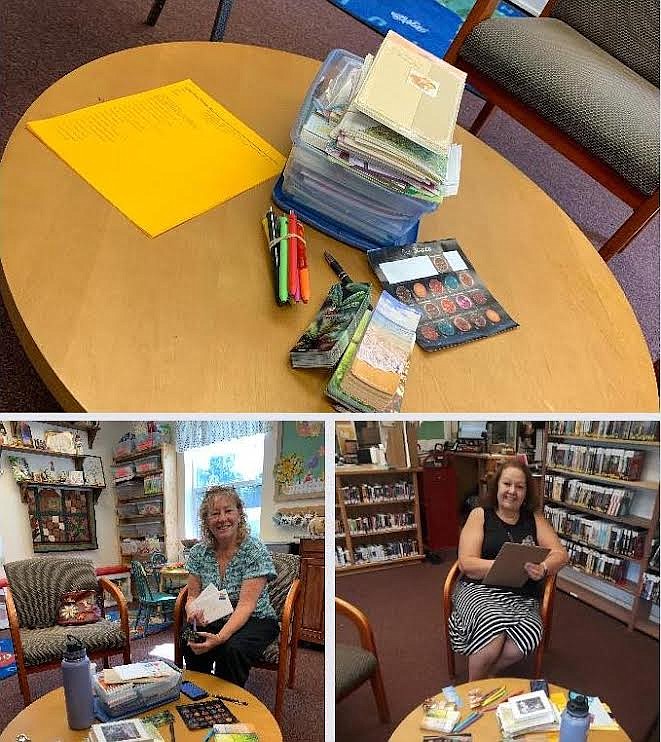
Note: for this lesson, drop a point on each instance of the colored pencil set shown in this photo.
(285, 236)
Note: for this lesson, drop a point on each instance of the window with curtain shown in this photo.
(238, 462)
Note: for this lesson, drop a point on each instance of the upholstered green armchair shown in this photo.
(584, 77)
(280, 655)
(35, 589)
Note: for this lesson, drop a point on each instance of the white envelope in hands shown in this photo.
(213, 603)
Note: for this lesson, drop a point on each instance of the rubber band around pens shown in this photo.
(288, 236)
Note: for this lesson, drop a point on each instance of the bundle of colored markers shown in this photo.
(286, 240)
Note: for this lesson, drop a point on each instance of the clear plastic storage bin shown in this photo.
(123, 473)
(148, 464)
(339, 194)
(150, 507)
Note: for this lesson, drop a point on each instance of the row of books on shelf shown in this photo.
(635, 430)
(592, 562)
(379, 492)
(368, 553)
(650, 589)
(380, 521)
(602, 498)
(620, 463)
(619, 539)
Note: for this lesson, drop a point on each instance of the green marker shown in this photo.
(283, 290)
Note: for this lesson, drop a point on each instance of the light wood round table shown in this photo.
(116, 321)
(45, 720)
(486, 728)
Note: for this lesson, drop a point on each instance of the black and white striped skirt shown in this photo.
(483, 612)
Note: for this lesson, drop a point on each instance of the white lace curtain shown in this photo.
(197, 433)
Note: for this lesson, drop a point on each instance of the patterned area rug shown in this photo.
(431, 24)
(7, 663)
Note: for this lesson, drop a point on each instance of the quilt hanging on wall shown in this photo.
(61, 519)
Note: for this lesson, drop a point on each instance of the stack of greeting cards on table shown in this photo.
(328, 335)
(372, 373)
(528, 713)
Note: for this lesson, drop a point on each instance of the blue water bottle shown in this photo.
(575, 720)
(77, 682)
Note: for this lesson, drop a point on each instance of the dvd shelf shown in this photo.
(601, 494)
(377, 518)
(145, 485)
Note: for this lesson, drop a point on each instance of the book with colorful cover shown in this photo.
(438, 280)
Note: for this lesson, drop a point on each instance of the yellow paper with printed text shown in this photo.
(162, 156)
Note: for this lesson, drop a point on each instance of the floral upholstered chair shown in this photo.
(47, 599)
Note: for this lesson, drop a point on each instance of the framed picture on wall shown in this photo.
(61, 519)
(93, 471)
(300, 459)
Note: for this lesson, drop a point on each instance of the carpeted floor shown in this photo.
(44, 41)
(589, 651)
(303, 714)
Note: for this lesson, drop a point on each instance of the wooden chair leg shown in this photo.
(539, 656)
(380, 696)
(106, 663)
(631, 227)
(154, 12)
(281, 678)
(482, 116)
(23, 684)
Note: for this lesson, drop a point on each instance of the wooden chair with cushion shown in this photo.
(280, 655)
(545, 610)
(584, 77)
(356, 665)
(33, 596)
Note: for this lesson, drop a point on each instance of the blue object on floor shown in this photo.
(426, 23)
(7, 659)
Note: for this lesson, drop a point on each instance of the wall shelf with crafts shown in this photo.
(144, 473)
(377, 518)
(51, 454)
(601, 493)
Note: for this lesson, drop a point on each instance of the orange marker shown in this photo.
(303, 270)
(292, 283)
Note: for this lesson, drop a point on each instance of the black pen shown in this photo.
(337, 269)
(274, 247)
(231, 700)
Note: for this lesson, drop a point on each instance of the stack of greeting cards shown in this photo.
(328, 335)
(372, 374)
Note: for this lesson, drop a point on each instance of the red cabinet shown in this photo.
(438, 499)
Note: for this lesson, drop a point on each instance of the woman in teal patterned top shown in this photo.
(232, 560)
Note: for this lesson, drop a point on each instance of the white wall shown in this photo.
(14, 522)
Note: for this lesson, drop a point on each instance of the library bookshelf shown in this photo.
(147, 503)
(607, 522)
(377, 518)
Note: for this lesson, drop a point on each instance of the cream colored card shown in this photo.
(413, 93)
(162, 156)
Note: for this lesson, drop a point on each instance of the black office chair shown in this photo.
(219, 24)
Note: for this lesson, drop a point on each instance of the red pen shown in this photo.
(292, 254)
(303, 270)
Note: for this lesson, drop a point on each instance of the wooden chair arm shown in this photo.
(290, 615)
(547, 598)
(108, 586)
(448, 589)
(482, 10)
(361, 622)
(179, 612)
(14, 628)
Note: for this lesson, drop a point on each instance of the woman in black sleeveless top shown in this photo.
(497, 626)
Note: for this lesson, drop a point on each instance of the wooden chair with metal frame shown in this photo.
(280, 655)
(33, 595)
(356, 665)
(584, 77)
(545, 610)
